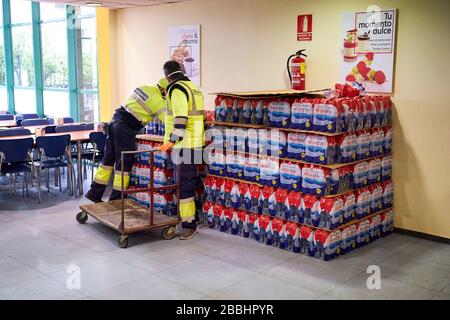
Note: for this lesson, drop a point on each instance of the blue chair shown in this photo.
(55, 154)
(89, 126)
(33, 122)
(50, 121)
(15, 132)
(15, 157)
(50, 129)
(5, 112)
(95, 154)
(19, 119)
(74, 127)
(5, 116)
(68, 120)
(26, 116)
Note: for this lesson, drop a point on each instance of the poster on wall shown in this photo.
(368, 49)
(184, 47)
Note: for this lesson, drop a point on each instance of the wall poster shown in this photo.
(184, 47)
(368, 48)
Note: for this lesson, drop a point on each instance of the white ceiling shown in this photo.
(116, 3)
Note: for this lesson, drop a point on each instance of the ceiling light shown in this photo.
(93, 4)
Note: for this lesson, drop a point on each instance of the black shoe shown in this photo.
(89, 196)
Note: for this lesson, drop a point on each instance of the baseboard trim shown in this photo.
(422, 235)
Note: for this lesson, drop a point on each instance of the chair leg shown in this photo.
(84, 170)
(27, 176)
(55, 177)
(74, 181)
(71, 173)
(10, 186)
(38, 184)
(23, 185)
(14, 184)
(81, 171)
(47, 181)
(69, 181)
(59, 179)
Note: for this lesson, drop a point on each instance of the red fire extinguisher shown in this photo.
(296, 70)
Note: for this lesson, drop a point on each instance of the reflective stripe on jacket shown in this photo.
(146, 103)
(184, 123)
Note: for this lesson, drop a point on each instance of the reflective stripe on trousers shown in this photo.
(117, 184)
(187, 209)
(103, 174)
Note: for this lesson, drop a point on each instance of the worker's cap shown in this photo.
(163, 83)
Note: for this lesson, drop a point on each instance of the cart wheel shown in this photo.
(123, 241)
(168, 233)
(82, 217)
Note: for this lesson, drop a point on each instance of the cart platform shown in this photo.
(127, 216)
(137, 217)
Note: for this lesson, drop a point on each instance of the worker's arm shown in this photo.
(180, 115)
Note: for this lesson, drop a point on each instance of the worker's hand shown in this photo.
(165, 146)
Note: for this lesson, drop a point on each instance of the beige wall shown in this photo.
(245, 44)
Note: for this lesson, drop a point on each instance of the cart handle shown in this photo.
(149, 190)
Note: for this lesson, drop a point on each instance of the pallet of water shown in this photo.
(333, 115)
(289, 235)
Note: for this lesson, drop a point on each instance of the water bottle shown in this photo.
(157, 124)
(151, 127)
(133, 176)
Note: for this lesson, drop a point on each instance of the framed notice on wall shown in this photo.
(304, 27)
(368, 49)
(184, 47)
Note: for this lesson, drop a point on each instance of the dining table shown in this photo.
(77, 137)
(8, 123)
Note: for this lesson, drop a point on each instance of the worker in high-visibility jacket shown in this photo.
(185, 134)
(145, 104)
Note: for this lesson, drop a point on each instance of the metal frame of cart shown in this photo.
(127, 216)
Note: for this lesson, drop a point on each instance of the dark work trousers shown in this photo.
(121, 136)
(189, 176)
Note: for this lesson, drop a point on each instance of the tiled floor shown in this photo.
(41, 246)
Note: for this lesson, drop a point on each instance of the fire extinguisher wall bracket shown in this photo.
(296, 70)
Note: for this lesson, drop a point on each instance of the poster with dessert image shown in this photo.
(184, 47)
(368, 48)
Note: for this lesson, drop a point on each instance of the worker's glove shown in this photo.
(165, 146)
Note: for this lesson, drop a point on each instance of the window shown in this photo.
(54, 55)
(3, 94)
(23, 57)
(53, 11)
(87, 67)
(20, 11)
(54, 61)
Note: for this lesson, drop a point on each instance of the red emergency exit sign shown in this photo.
(304, 27)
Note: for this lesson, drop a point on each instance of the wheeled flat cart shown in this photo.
(126, 216)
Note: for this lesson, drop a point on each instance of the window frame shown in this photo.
(72, 60)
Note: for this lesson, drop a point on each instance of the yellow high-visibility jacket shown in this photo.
(146, 103)
(184, 123)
